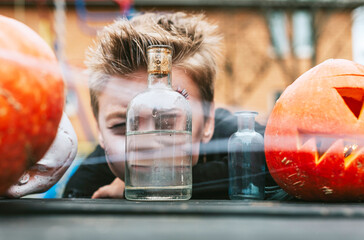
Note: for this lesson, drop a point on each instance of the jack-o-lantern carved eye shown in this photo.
(353, 98)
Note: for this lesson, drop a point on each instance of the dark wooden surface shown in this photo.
(195, 219)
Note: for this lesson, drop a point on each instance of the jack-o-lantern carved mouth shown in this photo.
(348, 147)
(353, 98)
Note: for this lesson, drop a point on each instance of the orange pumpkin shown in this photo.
(314, 140)
(31, 99)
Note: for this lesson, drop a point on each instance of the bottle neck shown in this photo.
(159, 80)
(246, 123)
(159, 66)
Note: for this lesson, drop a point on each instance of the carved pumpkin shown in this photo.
(315, 134)
(31, 99)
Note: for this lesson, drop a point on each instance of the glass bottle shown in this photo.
(246, 160)
(159, 136)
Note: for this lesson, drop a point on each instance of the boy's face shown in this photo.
(113, 103)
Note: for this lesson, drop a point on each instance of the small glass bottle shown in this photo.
(246, 160)
(159, 136)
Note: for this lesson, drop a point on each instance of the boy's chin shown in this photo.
(194, 160)
(117, 168)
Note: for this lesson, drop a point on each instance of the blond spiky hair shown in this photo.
(121, 50)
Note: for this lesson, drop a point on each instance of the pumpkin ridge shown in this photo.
(10, 98)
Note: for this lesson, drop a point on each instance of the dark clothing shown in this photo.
(210, 175)
(93, 173)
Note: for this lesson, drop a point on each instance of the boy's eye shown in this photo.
(182, 91)
(165, 121)
(119, 128)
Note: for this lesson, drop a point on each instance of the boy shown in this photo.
(117, 68)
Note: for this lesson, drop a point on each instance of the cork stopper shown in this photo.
(159, 59)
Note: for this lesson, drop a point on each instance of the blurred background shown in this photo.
(267, 45)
